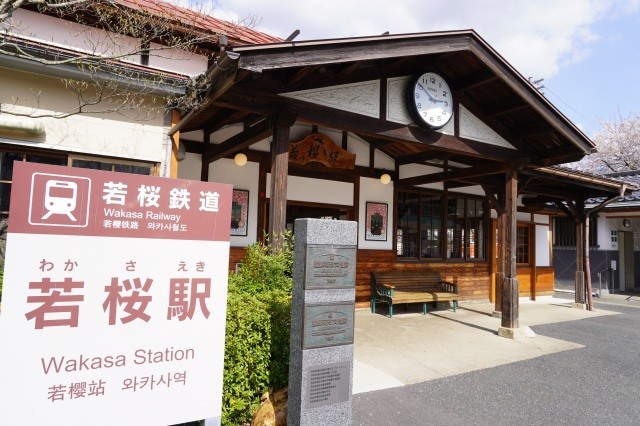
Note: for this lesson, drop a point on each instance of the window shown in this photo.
(10, 154)
(564, 232)
(420, 226)
(523, 246)
(6, 172)
(614, 236)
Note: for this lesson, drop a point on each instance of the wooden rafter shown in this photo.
(504, 107)
(422, 156)
(240, 141)
(487, 169)
(473, 81)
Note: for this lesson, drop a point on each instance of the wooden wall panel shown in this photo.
(472, 278)
(545, 278)
(236, 255)
(524, 280)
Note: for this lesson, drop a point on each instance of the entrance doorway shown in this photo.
(626, 267)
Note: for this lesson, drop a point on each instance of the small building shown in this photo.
(614, 243)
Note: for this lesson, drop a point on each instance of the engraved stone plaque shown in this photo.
(327, 384)
(328, 325)
(330, 266)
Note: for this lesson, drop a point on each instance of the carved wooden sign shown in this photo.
(321, 149)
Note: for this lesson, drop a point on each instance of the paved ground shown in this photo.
(581, 368)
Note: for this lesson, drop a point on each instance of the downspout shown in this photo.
(22, 125)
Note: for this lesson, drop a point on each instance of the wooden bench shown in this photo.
(411, 287)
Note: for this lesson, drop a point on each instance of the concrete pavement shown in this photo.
(412, 348)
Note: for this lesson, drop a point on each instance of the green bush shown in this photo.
(257, 336)
(246, 357)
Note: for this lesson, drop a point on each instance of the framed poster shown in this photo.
(376, 221)
(239, 212)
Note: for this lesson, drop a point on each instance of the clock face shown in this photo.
(429, 100)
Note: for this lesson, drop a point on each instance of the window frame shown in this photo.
(68, 158)
(445, 196)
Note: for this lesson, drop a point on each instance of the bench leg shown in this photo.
(455, 305)
(424, 308)
(390, 310)
(373, 305)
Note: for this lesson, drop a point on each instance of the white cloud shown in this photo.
(535, 36)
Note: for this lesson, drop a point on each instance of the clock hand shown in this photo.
(423, 89)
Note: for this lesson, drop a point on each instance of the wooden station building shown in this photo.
(442, 152)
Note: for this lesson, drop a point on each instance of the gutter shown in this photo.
(71, 71)
(21, 125)
(222, 75)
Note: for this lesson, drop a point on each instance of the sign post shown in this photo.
(322, 322)
(114, 298)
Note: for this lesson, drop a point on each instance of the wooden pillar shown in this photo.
(580, 289)
(510, 287)
(175, 145)
(279, 171)
(502, 250)
(204, 167)
(587, 265)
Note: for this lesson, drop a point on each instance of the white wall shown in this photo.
(123, 135)
(245, 177)
(373, 190)
(316, 190)
(190, 167)
(541, 218)
(411, 170)
(71, 35)
(542, 239)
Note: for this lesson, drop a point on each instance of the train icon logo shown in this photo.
(58, 200)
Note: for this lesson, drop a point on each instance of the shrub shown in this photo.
(258, 326)
(246, 357)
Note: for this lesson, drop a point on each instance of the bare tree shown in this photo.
(112, 45)
(617, 142)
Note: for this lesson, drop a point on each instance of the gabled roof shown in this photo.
(484, 82)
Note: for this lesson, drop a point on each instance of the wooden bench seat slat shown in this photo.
(411, 287)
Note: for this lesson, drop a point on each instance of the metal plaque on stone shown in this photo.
(330, 266)
(327, 384)
(328, 325)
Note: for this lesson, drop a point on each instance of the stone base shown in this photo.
(582, 306)
(522, 332)
(496, 314)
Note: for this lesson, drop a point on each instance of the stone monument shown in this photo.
(322, 320)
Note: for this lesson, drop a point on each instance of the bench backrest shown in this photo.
(407, 278)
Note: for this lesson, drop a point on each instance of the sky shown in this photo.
(587, 51)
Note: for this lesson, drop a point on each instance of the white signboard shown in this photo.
(114, 298)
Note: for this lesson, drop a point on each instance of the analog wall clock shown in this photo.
(429, 100)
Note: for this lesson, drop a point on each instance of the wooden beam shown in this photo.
(510, 289)
(240, 141)
(279, 173)
(175, 144)
(501, 108)
(475, 80)
(204, 166)
(421, 157)
(487, 169)
(260, 60)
